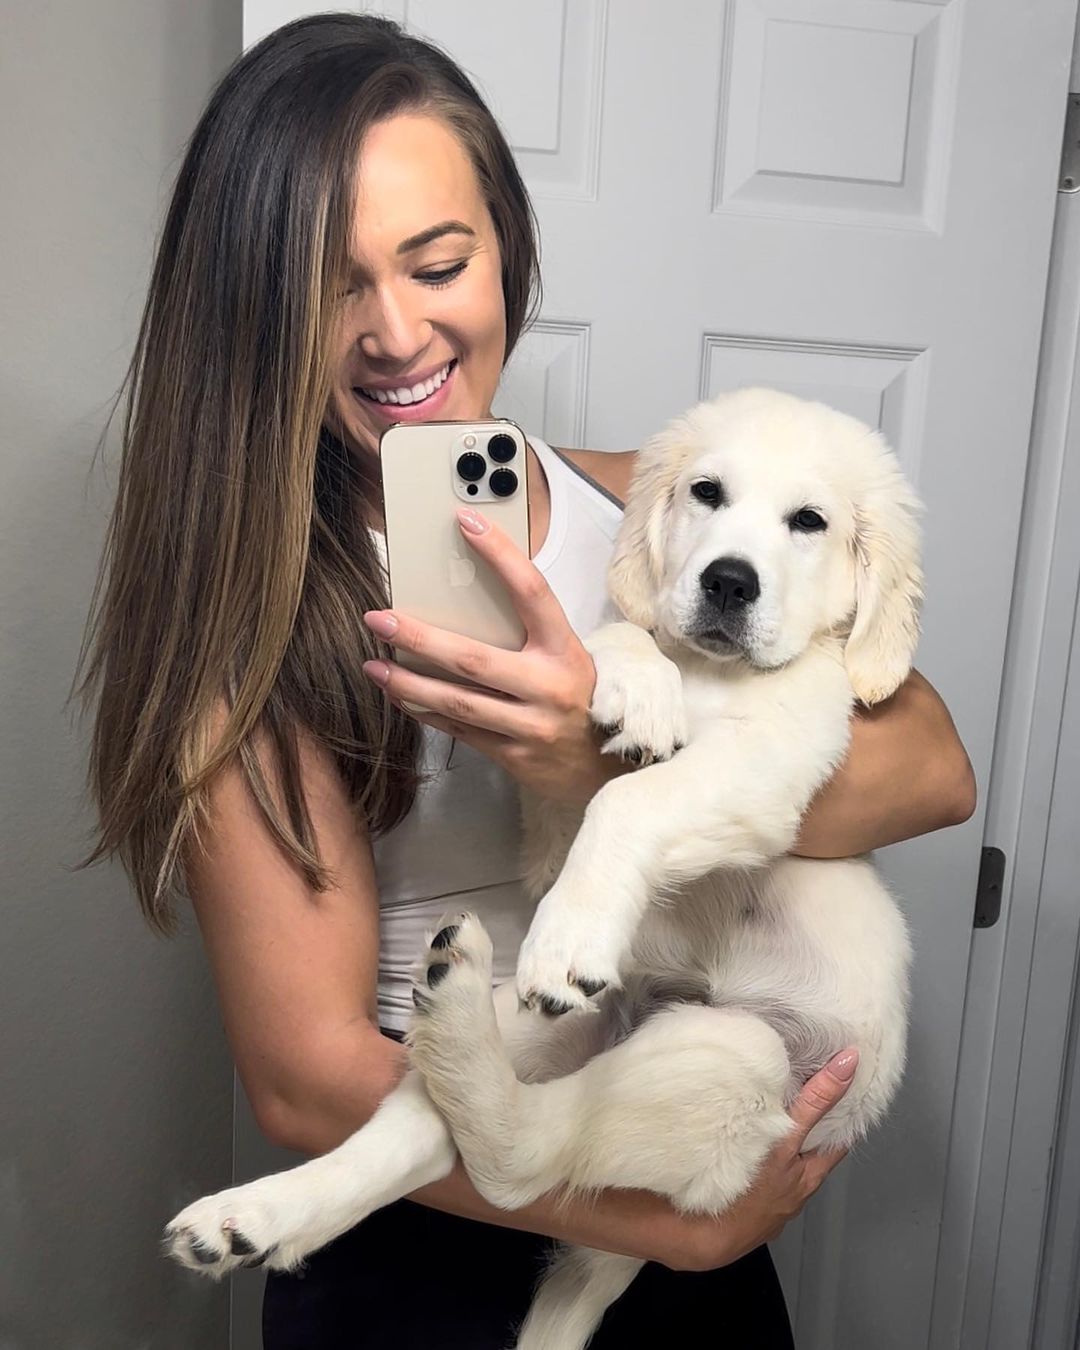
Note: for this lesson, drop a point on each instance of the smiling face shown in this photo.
(423, 327)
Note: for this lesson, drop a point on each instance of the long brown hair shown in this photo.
(237, 563)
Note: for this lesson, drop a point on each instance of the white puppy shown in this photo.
(768, 570)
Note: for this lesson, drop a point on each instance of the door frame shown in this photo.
(1008, 1252)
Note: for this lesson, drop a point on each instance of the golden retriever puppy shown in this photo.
(685, 975)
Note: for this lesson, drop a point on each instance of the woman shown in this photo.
(349, 244)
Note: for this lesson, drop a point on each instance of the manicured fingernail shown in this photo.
(844, 1064)
(472, 520)
(378, 671)
(381, 621)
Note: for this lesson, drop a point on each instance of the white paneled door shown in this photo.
(850, 199)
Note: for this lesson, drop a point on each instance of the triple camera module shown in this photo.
(472, 466)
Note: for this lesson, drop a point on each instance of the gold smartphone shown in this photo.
(429, 471)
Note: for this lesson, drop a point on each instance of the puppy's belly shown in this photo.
(816, 949)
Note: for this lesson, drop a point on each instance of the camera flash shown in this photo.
(469, 442)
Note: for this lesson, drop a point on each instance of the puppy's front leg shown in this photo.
(637, 702)
(646, 832)
(279, 1220)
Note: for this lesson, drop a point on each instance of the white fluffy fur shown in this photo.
(732, 971)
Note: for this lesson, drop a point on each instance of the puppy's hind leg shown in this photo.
(577, 1289)
(688, 1106)
(512, 1135)
(281, 1219)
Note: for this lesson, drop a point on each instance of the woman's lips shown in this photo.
(422, 411)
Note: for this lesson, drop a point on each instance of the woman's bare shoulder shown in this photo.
(612, 469)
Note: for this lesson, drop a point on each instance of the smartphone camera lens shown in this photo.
(472, 466)
(503, 482)
(501, 448)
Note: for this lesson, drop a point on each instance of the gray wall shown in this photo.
(115, 1083)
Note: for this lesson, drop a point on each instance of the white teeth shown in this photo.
(416, 394)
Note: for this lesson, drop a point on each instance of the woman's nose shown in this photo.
(395, 329)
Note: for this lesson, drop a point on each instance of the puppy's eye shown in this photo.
(807, 521)
(708, 491)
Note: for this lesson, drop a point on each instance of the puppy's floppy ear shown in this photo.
(637, 564)
(888, 582)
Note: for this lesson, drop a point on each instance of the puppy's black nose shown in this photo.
(730, 583)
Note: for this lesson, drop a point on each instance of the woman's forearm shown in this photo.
(906, 774)
(632, 1223)
(635, 1223)
(340, 1094)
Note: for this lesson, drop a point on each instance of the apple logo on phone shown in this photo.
(462, 571)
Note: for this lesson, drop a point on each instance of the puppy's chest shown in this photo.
(810, 698)
(711, 700)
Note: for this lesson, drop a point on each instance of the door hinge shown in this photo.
(1069, 178)
(988, 891)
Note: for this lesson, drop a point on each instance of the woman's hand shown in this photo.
(535, 721)
(788, 1178)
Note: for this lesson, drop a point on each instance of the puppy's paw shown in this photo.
(457, 963)
(454, 1032)
(637, 703)
(246, 1226)
(565, 964)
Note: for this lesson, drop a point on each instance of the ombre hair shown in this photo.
(226, 620)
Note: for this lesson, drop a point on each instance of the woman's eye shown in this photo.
(708, 491)
(441, 276)
(808, 521)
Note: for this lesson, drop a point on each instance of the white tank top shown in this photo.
(459, 847)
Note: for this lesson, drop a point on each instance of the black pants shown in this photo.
(412, 1278)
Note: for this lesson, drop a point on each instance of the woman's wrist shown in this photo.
(602, 769)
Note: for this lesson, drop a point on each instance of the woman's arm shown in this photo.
(644, 1225)
(296, 977)
(295, 969)
(906, 774)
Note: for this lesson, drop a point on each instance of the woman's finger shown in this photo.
(821, 1093)
(545, 622)
(489, 743)
(455, 702)
(475, 661)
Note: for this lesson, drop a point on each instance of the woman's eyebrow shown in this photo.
(427, 236)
